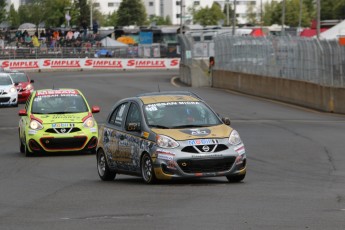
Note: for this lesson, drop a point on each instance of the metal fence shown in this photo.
(307, 59)
(140, 51)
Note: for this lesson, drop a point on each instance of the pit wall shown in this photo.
(310, 95)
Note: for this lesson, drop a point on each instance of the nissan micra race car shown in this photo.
(168, 135)
(57, 120)
(8, 91)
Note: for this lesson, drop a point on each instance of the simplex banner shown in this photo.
(90, 64)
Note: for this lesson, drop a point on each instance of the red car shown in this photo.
(25, 85)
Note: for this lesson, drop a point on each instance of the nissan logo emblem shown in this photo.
(205, 148)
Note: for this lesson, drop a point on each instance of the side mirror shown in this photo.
(32, 81)
(95, 109)
(226, 120)
(22, 112)
(134, 126)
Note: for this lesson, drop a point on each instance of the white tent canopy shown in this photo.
(334, 32)
(109, 42)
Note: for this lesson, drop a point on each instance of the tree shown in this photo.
(208, 16)
(251, 15)
(111, 19)
(339, 9)
(131, 12)
(13, 17)
(2, 10)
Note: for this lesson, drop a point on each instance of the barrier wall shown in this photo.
(323, 98)
(90, 64)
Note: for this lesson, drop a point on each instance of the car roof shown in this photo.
(4, 74)
(167, 96)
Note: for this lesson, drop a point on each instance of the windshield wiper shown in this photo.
(188, 126)
(159, 126)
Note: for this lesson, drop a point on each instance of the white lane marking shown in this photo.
(172, 81)
(7, 128)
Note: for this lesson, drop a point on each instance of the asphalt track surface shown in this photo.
(295, 179)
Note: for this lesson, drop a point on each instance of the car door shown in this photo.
(133, 137)
(113, 136)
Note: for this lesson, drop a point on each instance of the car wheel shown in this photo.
(27, 153)
(236, 178)
(147, 171)
(103, 169)
(21, 146)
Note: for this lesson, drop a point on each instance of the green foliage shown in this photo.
(251, 15)
(231, 14)
(111, 19)
(158, 20)
(131, 12)
(273, 12)
(2, 10)
(13, 17)
(208, 16)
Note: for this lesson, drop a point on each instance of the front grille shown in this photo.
(4, 99)
(63, 130)
(206, 165)
(3, 93)
(199, 148)
(63, 143)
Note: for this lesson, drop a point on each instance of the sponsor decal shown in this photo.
(62, 63)
(32, 132)
(202, 142)
(165, 152)
(104, 63)
(240, 149)
(20, 64)
(145, 135)
(93, 130)
(146, 63)
(196, 132)
(165, 157)
(174, 62)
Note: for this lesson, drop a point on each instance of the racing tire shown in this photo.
(236, 178)
(21, 145)
(103, 169)
(27, 153)
(147, 171)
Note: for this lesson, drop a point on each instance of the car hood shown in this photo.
(219, 131)
(62, 118)
(5, 87)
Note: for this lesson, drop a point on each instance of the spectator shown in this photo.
(19, 36)
(76, 33)
(28, 40)
(69, 35)
(35, 41)
(78, 43)
(95, 27)
(2, 43)
(84, 25)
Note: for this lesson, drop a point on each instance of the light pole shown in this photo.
(91, 6)
(227, 13)
(181, 16)
(283, 19)
(234, 19)
(318, 27)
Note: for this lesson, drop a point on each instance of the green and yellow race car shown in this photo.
(57, 120)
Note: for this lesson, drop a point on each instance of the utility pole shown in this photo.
(227, 13)
(300, 17)
(91, 2)
(181, 15)
(318, 8)
(283, 18)
(234, 19)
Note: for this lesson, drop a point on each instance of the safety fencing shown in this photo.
(90, 51)
(90, 64)
(296, 58)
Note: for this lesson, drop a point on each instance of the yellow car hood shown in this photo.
(61, 118)
(219, 131)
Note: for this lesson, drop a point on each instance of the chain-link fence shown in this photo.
(140, 51)
(307, 59)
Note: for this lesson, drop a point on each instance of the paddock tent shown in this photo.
(108, 42)
(334, 32)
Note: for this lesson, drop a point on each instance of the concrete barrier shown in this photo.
(323, 98)
(195, 74)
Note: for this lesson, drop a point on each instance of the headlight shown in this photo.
(235, 138)
(89, 123)
(34, 124)
(13, 90)
(166, 142)
(28, 87)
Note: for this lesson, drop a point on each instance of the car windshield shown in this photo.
(5, 80)
(59, 104)
(180, 115)
(19, 77)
